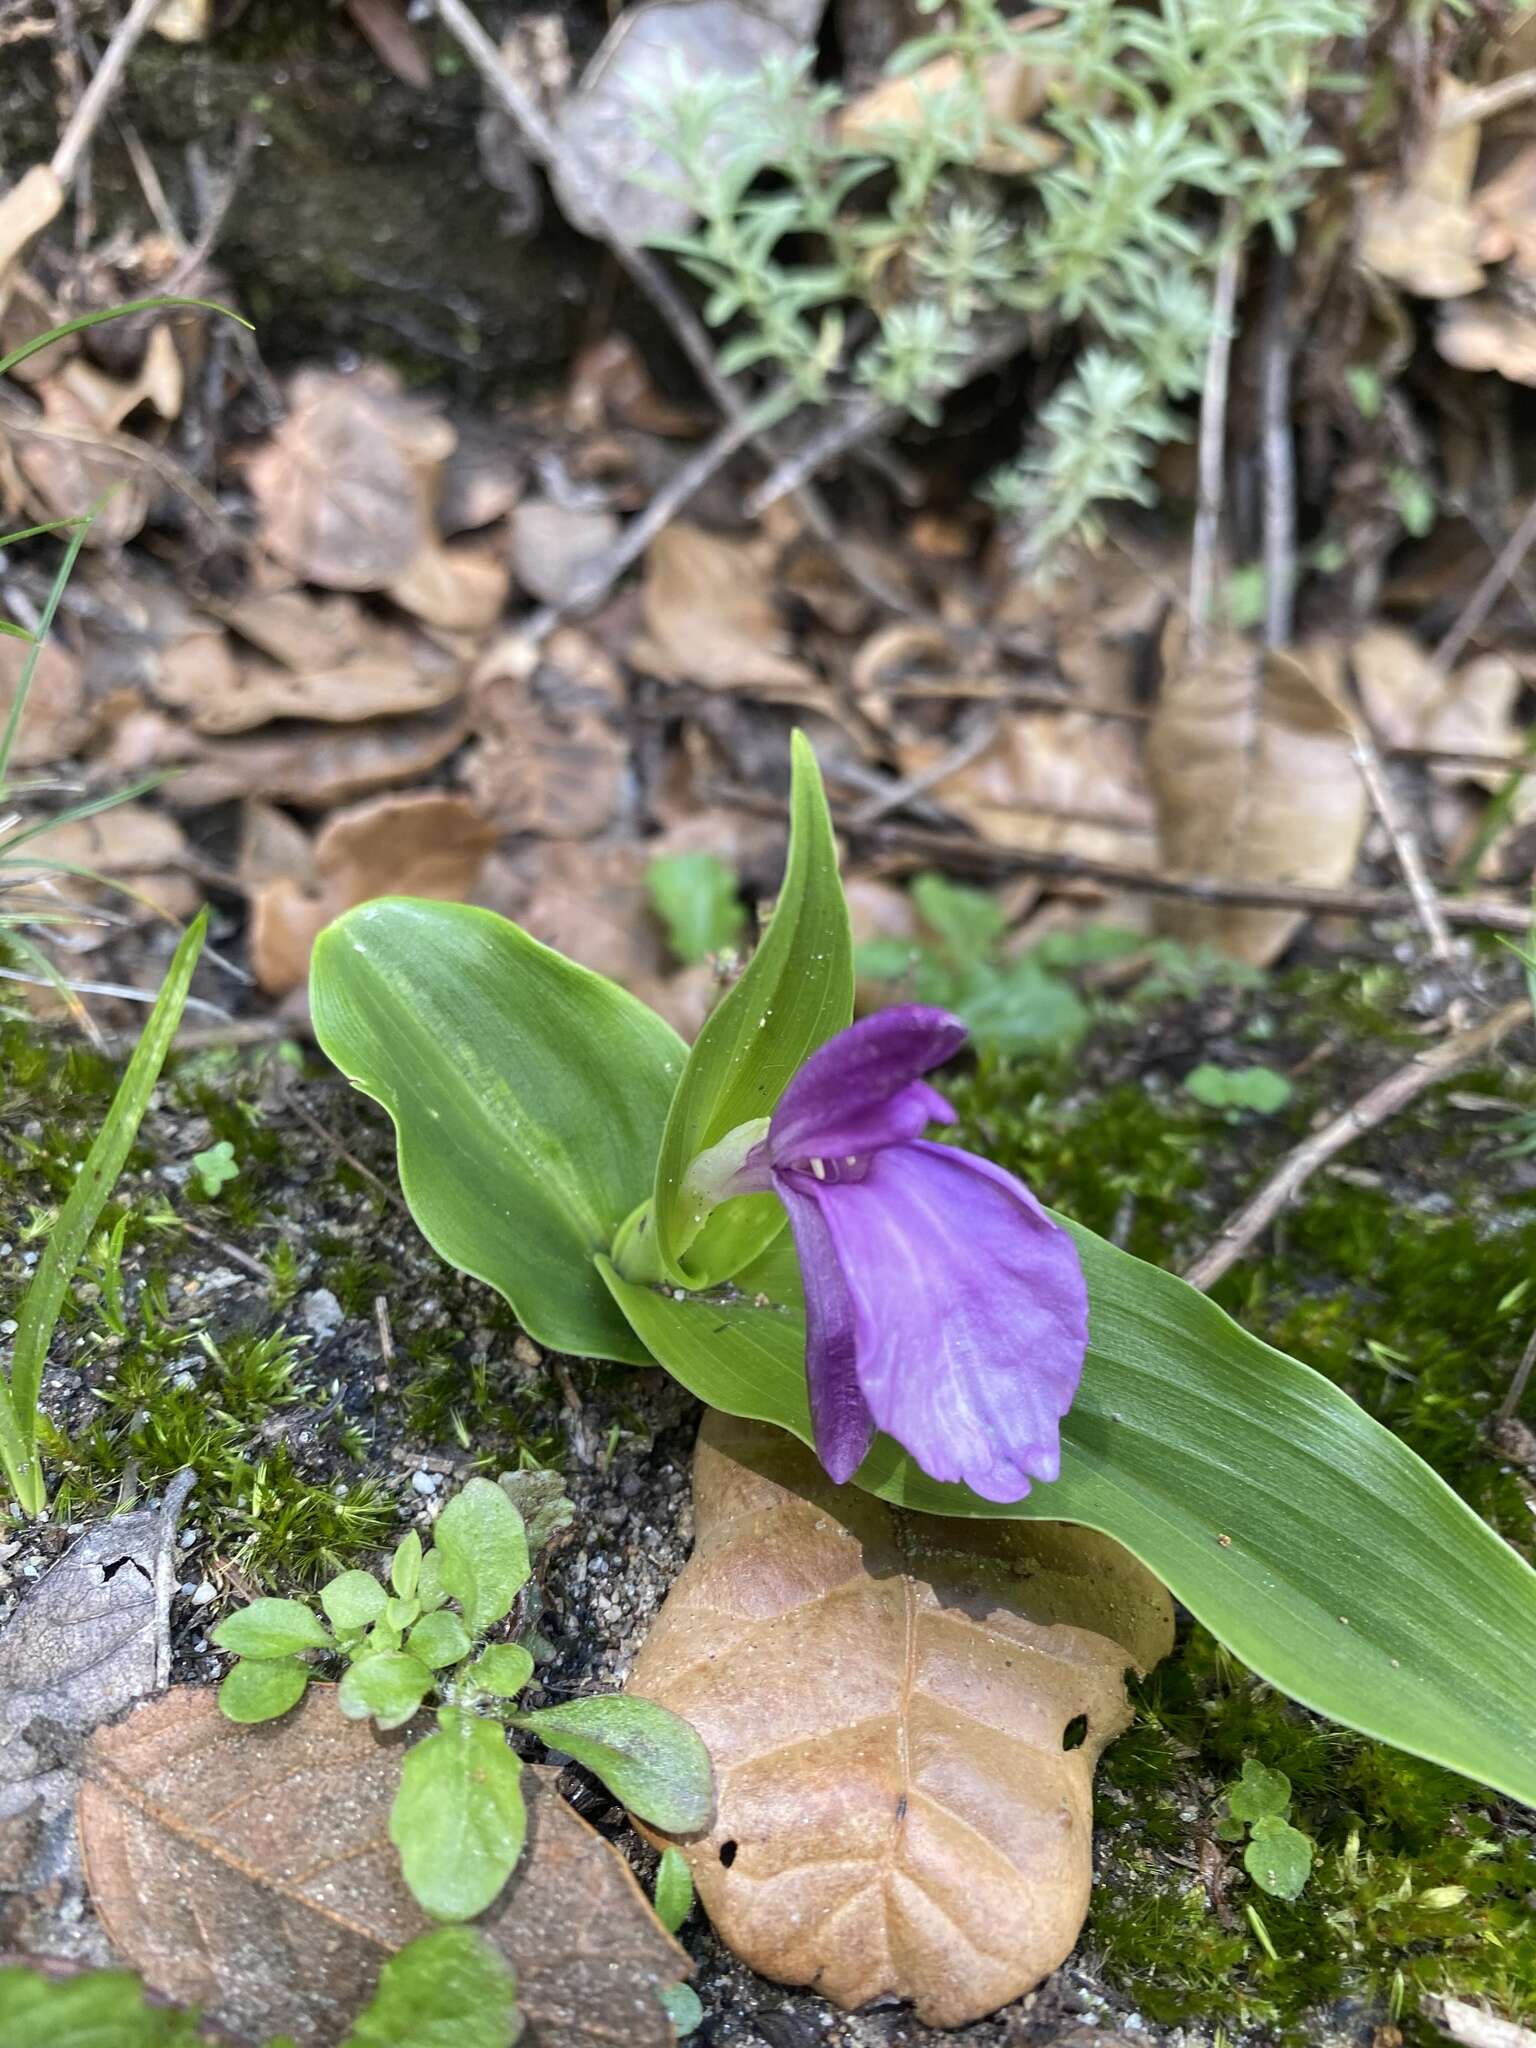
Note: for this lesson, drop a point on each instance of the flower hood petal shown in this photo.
(840, 1415)
(970, 1314)
(862, 1089)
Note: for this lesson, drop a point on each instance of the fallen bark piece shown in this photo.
(903, 1713)
(279, 1832)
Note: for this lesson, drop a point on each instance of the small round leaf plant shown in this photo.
(764, 1215)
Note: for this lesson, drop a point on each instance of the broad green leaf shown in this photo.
(697, 899)
(458, 1819)
(528, 1098)
(674, 1889)
(439, 1640)
(482, 1553)
(399, 1614)
(1314, 1543)
(969, 921)
(69, 1237)
(682, 2007)
(1258, 1088)
(405, 1565)
(271, 1628)
(353, 1600)
(1279, 1858)
(450, 1989)
(647, 1756)
(796, 993)
(98, 2009)
(386, 1688)
(1259, 1791)
(262, 1688)
(501, 1668)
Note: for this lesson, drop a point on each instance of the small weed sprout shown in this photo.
(1278, 1857)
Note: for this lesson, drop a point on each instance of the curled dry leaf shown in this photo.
(1489, 332)
(68, 462)
(1052, 781)
(55, 721)
(91, 1637)
(345, 486)
(317, 766)
(280, 1834)
(904, 1713)
(426, 843)
(547, 761)
(710, 616)
(1251, 763)
(1411, 702)
(25, 210)
(1424, 234)
(554, 545)
(459, 590)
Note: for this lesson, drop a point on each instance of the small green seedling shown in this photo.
(1235, 1089)
(1278, 1857)
(215, 1166)
(698, 899)
(423, 1642)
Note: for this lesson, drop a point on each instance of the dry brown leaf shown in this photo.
(540, 764)
(25, 210)
(1424, 234)
(460, 590)
(317, 766)
(610, 383)
(1489, 332)
(553, 545)
(345, 486)
(1013, 92)
(133, 844)
(891, 1703)
(182, 21)
(425, 843)
(1251, 762)
(586, 900)
(26, 311)
(68, 464)
(55, 721)
(710, 616)
(279, 1833)
(1399, 685)
(1051, 781)
(1476, 716)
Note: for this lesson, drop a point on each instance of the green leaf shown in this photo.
(1016, 1007)
(682, 2007)
(1258, 1792)
(405, 1566)
(387, 1688)
(400, 1614)
(696, 896)
(271, 1628)
(98, 2009)
(1259, 1088)
(353, 1600)
(1279, 1858)
(67, 1240)
(647, 1756)
(540, 1498)
(501, 1668)
(796, 993)
(482, 1553)
(674, 1889)
(439, 1640)
(216, 1166)
(1326, 1555)
(528, 1098)
(458, 1819)
(969, 921)
(450, 1989)
(259, 1689)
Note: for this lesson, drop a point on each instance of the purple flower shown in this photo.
(942, 1304)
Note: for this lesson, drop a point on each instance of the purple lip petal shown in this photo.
(839, 1413)
(969, 1311)
(853, 1095)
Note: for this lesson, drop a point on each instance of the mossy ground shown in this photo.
(239, 1333)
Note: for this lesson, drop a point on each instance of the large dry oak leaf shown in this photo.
(248, 1870)
(904, 1713)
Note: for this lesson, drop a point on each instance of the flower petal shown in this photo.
(861, 1089)
(970, 1310)
(839, 1413)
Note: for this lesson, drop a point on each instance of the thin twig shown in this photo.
(232, 1252)
(330, 1139)
(154, 192)
(862, 416)
(1517, 1385)
(961, 755)
(83, 122)
(1247, 1224)
(1488, 100)
(1488, 592)
(964, 851)
(1213, 447)
(1405, 845)
(1279, 456)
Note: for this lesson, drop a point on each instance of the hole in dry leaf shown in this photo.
(110, 1570)
(1075, 1733)
(727, 1853)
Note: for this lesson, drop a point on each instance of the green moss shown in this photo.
(1409, 1282)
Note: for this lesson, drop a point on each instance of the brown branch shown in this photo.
(1404, 842)
(84, 121)
(1279, 457)
(1488, 100)
(1242, 1229)
(1213, 446)
(1488, 592)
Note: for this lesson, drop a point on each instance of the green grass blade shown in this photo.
(41, 341)
(44, 627)
(40, 1306)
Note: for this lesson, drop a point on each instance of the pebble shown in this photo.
(425, 1482)
(321, 1313)
(203, 1593)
